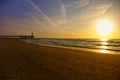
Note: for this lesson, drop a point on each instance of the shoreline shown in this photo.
(22, 61)
(99, 51)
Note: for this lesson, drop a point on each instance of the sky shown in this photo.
(58, 18)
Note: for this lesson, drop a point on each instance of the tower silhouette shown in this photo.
(32, 34)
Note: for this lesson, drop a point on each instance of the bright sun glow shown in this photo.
(104, 27)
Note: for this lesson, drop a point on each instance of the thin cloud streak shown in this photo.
(53, 27)
(95, 10)
(90, 12)
(82, 3)
(42, 13)
(78, 4)
(63, 12)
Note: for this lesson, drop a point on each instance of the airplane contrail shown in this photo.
(63, 11)
(41, 12)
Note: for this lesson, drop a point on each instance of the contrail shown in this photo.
(63, 11)
(41, 12)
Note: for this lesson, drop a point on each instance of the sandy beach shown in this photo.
(23, 61)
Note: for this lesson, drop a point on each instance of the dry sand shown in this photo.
(23, 61)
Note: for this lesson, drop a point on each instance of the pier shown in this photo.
(18, 36)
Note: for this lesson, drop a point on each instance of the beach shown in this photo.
(24, 61)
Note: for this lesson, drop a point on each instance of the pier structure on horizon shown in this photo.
(18, 36)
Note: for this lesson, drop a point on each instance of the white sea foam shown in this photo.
(92, 44)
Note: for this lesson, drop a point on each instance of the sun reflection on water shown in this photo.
(103, 51)
(104, 47)
(104, 43)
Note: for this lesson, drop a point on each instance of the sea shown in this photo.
(97, 45)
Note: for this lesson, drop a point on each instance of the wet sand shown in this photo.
(23, 61)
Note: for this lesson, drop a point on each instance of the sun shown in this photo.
(104, 27)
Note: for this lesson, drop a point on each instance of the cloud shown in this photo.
(45, 29)
(63, 16)
(76, 4)
(94, 10)
(49, 26)
(36, 7)
(90, 12)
